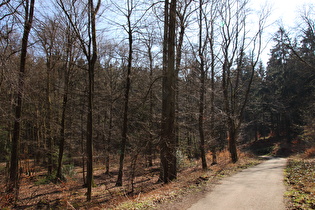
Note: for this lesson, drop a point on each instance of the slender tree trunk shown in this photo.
(201, 119)
(92, 58)
(133, 167)
(62, 129)
(150, 144)
(38, 142)
(109, 138)
(83, 149)
(210, 38)
(126, 105)
(90, 51)
(48, 123)
(13, 186)
(228, 107)
(89, 133)
(64, 103)
(182, 27)
(201, 92)
(214, 143)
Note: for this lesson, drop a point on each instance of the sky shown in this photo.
(289, 10)
(283, 12)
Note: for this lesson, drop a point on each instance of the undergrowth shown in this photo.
(300, 177)
(40, 191)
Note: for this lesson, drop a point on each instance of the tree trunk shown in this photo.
(213, 143)
(201, 119)
(182, 16)
(13, 186)
(92, 58)
(232, 144)
(168, 137)
(163, 146)
(201, 92)
(109, 138)
(48, 123)
(229, 111)
(83, 149)
(62, 130)
(64, 106)
(150, 144)
(89, 133)
(212, 113)
(126, 105)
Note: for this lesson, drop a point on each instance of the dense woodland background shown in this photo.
(97, 78)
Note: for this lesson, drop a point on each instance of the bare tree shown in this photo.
(68, 58)
(113, 95)
(13, 186)
(210, 20)
(202, 91)
(10, 47)
(131, 27)
(168, 138)
(47, 34)
(130, 30)
(184, 12)
(89, 48)
(235, 42)
(148, 41)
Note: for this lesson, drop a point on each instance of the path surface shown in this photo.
(257, 188)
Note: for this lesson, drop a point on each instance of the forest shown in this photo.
(130, 85)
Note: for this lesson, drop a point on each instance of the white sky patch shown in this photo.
(284, 13)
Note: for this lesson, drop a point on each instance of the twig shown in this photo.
(69, 205)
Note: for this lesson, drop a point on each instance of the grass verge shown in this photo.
(300, 179)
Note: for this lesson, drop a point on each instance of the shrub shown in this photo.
(68, 170)
(309, 153)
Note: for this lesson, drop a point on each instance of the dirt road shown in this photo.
(257, 188)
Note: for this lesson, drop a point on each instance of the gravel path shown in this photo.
(257, 188)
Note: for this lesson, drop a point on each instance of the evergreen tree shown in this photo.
(287, 88)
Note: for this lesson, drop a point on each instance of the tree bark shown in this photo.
(48, 123)
(13, 186)
(201, 119)
(67, 69)
(232, 137)
(201, 92)
(109, 137)
(163, 146)
(126, 101)
(64, 107)
(62, 135)
(92, 58)
(168, 137)
(150, 143)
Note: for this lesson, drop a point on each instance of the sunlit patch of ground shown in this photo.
(300, 179)
(38, 192)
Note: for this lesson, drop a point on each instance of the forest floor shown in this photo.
(38, 192)
(300, 180)
(144, 192)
